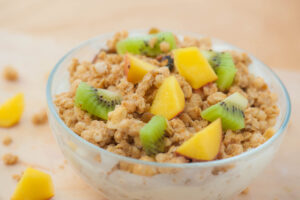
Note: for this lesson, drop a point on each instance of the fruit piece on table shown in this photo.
(98, 102)
(193, 66)
(135, 68)
(140, 44)
(238, 100)
(224, 67)
(231, 115)
(11, 111)
(34, 185)
(204, 145)
(169, 100)
(152, 135)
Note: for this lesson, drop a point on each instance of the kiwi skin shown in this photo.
(152, 135)
(228, 107)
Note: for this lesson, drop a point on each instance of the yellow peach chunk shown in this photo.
(11, 111)
(204, 145)
(34, 185)
(193, 66)
(169, 100)
(136, 69)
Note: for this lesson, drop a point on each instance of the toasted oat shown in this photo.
(10, 159)
(154, 30)
(164, 47)
(40, 118)
(245, 191)
(7, 140)
(269, 133)
(16, 177)
(10, 73)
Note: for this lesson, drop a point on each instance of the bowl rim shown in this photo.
(213, 163)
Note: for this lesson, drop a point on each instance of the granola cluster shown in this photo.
(120, 133)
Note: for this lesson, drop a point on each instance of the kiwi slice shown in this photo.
(238, 100)
(98, 102)
(140, 44)
(224, 67)
(231, 115)
(152, 135)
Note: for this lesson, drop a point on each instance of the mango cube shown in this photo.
(194, 67)
(11, 111)
(34, 185)
(204, 145)
(136, 69)
(169, 100)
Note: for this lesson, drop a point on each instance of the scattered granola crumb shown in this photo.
(7, 140)
(10, 159)
(61, 166)
(16, 177)
(40, 118)
(245, 191)
(10, 73)
(153, 30)
(164, 47)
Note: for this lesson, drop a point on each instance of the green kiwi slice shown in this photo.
(224, 67)
(152, 135)
(97, 102)
(140, 44)
(238, 100)
(231, 115)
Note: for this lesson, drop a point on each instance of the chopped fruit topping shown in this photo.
(98, 102)
(34, 185)
(230, 110)
(224, 67)
(152, 135)
(238, 100)
(11, 111)
(151, 45)
(193, 66)
(136, 69)
(232, 116)
(169, 100)
(204, 145)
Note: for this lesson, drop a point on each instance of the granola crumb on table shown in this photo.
(40, 117)
(120, 134)
(10, 159)
(7, 140)
(10, 73)
(16, 177)
(245, 191)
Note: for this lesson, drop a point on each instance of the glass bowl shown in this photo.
(108, 172)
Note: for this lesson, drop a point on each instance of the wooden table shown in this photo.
(34, 34)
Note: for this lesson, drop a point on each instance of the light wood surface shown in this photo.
(269, 29)
(34, 34)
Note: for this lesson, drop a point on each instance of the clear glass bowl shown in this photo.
(106, 171)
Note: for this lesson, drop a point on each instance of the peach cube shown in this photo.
(34, 185)
(204, 145)
(169, 100)
(136, 69)
(194, 67)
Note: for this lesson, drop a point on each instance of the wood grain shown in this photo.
(269, 29)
